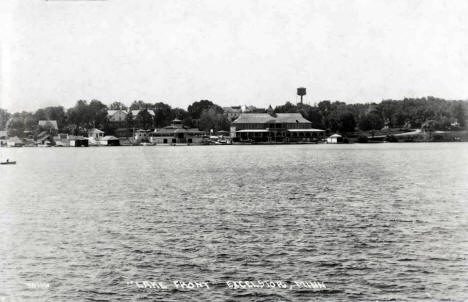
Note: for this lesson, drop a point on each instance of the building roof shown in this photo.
(254, 118)
(290, 118)
(75, 138)
(112, 112)
(306, 130)
(252, 130)
(335, 135)
(43, 135)
(95, 130)
(49, 123)
(109, 138)
(412, 133)
(233, 109)
(263, 118)
(135, 112)
(172, 130)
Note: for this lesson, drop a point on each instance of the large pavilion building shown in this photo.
(177, 133)
(278, 128)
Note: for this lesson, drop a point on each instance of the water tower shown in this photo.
(301, 91)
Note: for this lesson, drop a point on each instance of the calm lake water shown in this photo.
(386, 222)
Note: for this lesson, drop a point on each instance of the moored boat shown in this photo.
(8, 162)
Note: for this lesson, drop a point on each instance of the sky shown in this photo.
(232, 52)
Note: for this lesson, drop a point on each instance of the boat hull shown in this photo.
(8, 163)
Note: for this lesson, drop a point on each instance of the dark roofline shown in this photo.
(279, 118)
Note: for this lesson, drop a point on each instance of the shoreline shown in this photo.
(233, 144)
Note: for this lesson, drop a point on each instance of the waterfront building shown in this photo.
(109, 140)
(334, 139)
(282, 127)
(97, 137)
(94, 135)
(177, 133)
(78, 141)
(61, 140)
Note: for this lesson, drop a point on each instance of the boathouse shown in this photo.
(177, 133)
(334, 139)
(78, 141)
(109, 140)
(279, 128)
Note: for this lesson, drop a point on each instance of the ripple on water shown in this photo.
(383, 222)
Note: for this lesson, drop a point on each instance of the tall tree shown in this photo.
(117, 106)
(80, 115)
(286, 108)
(459, 114)
(212, 119)
(144, 119)
(371, 121)
(56, 113)
(162, 114)
(98, 113)
(347, 123)
(139, 105)
(4, 117)
(30, 122)
(195, 110)
(129, 120)
(15, 125)
(182, 115)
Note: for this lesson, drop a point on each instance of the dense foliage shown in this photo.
(427, 113)
(407, 113)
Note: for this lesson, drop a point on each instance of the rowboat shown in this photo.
(8, 163)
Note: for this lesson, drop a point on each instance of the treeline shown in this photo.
(84, 115)
(335, 116)
(407, 113)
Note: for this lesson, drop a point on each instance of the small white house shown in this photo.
(95, 135)
(334, 139)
